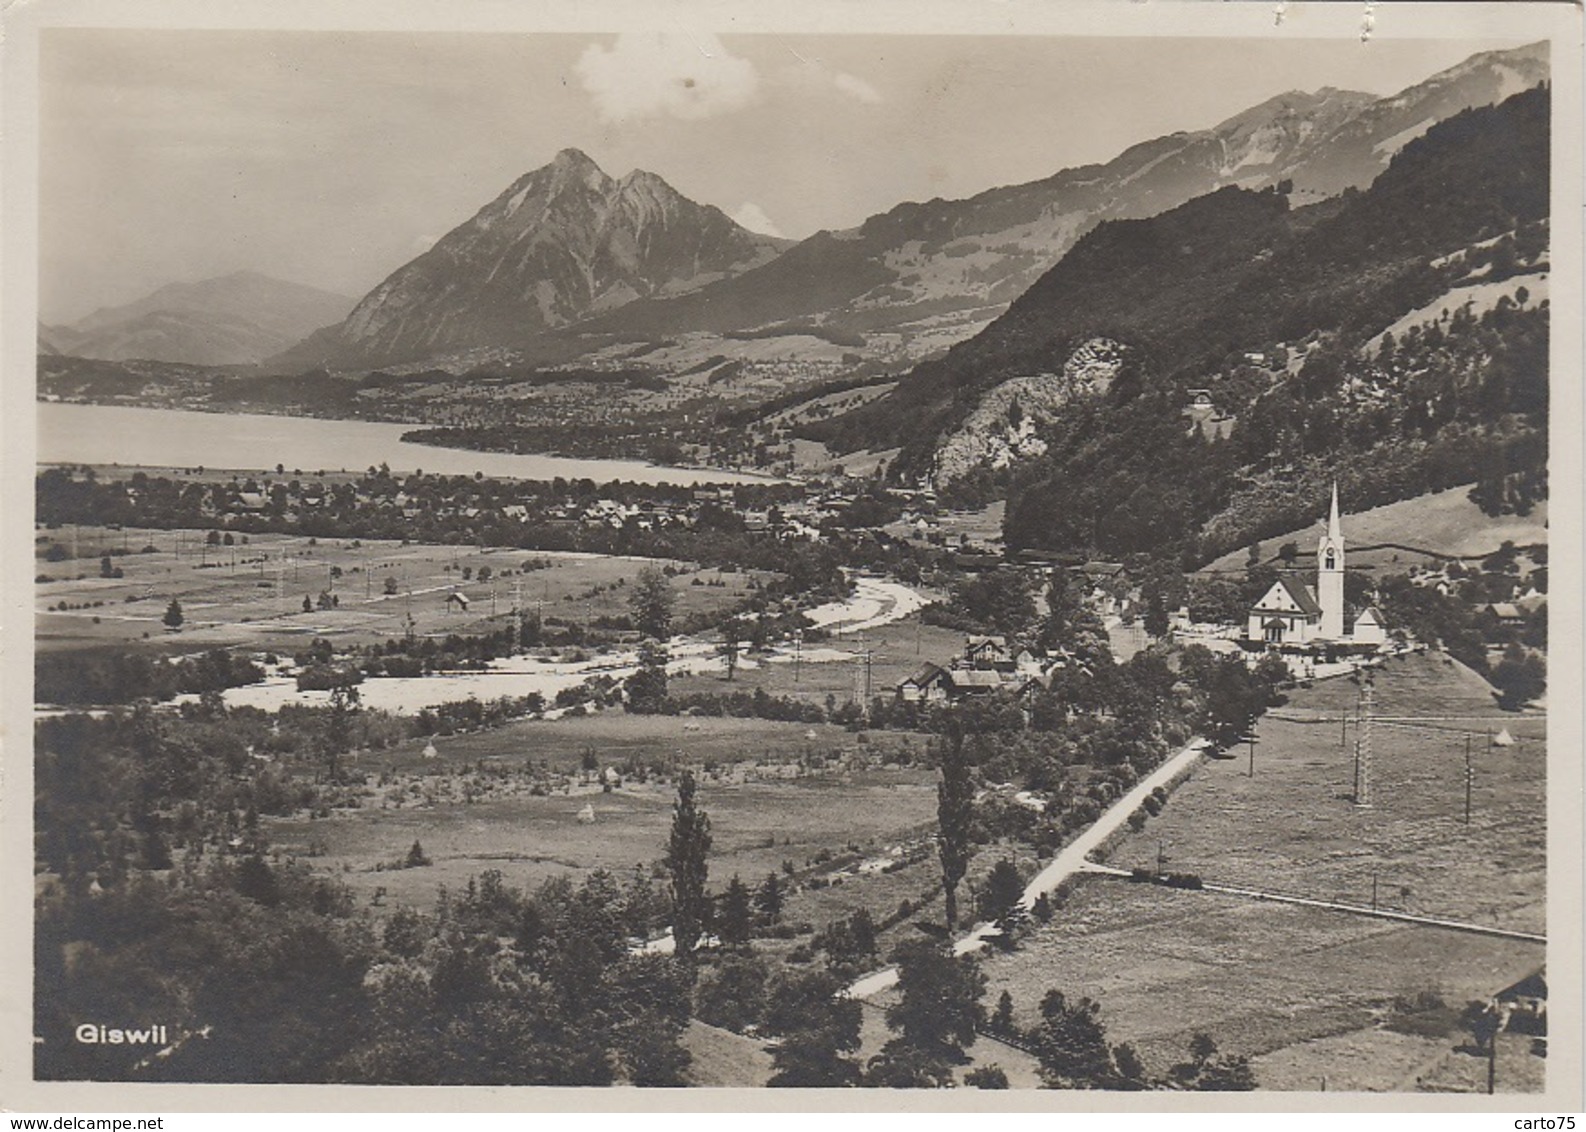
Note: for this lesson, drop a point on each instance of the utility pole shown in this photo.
(798, 653)
(1363, 747)
(1470, 777)
(1252, 738)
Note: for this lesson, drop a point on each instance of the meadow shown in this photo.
(1309, 993)
(778, 795)
(251, 595)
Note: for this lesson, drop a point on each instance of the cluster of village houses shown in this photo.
(988, 664)
(1306, 626)
(801, 518)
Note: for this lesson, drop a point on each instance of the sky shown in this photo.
(332, 158)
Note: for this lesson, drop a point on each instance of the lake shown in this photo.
(252, 442)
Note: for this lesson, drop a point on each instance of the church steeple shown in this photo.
(1330, 575)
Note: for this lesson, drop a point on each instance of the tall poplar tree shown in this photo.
(955, 796)
(686, 855)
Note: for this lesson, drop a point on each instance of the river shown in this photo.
(70, 433)
(875, 602)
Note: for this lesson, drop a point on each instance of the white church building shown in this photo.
(1291, 614)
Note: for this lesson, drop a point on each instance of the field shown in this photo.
(896, 650)
(765, 808)
(252, 595)
(1444, 523)
(1304, 991)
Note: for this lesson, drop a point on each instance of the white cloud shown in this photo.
(753, 217)
(648, 75)
(813, 76)
(856, 87)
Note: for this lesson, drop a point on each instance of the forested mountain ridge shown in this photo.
(1190, 293)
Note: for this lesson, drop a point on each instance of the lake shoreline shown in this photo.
(136, 437)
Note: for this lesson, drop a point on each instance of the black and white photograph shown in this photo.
(1010, 553)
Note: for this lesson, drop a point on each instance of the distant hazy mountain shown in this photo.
(562, 242)
(235, 319)
(56, 339)
(921, 271)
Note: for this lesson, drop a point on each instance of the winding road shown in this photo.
(1072, 858)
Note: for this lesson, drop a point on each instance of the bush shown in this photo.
(986, 1077)
(731, 993)
(1426, 1015)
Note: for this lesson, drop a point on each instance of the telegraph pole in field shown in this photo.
(1363, 747)
(1470, 777)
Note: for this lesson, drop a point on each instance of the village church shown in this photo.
(1292, 614)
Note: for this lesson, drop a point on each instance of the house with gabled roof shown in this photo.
(925, 686)
(972, 681)
(985, 652)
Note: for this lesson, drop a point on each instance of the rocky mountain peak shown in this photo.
(561, 242)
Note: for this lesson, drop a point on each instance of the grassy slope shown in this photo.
(1444, 523)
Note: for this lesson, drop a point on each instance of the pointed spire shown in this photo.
(1335, 531)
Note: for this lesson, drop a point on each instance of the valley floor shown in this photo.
(1309, 995)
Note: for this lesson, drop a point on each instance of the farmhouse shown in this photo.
(924, 686)
(985, 652)
(1507, 613)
